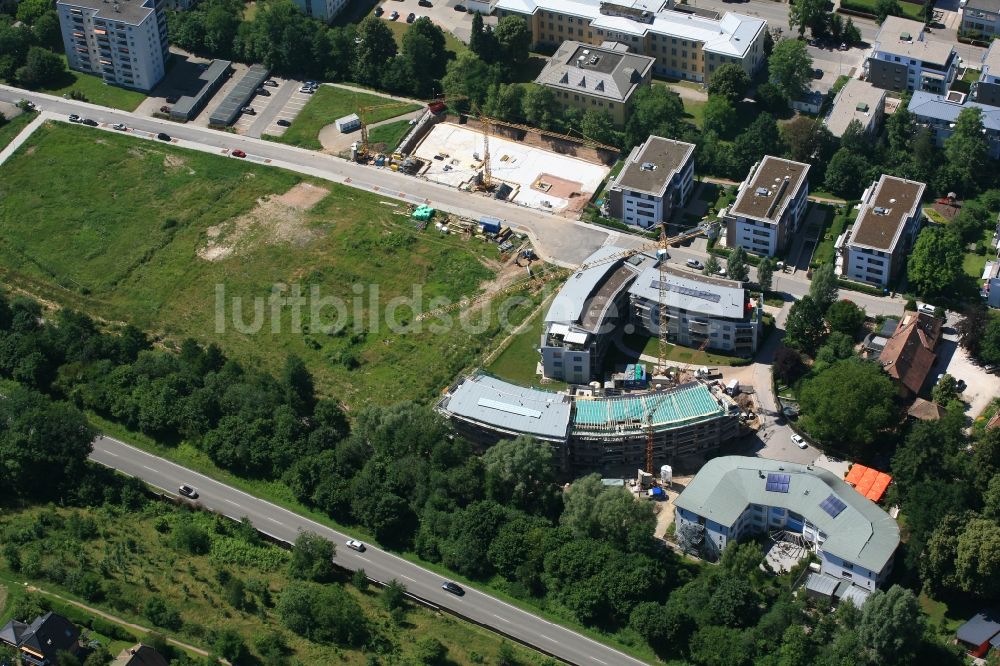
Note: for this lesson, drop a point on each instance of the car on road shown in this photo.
(394, 15)
(411, 17)
(163, 136)
(454, 588)
(283, 122)
(263, 92)
(694, 263)
(73, 118)
(844, 47)
(799, 441)
(89, 122)
(379, 11)
(354, 544)
(249, 110)
(271, 83)
(238, 153)
(121, 127)
(188, 491)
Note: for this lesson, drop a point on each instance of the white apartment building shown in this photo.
(769, 207)
(323, 10)
(980, 18)
(734, 497)
(874, 249)
(124, 41)
(904, 58)
(656, 180)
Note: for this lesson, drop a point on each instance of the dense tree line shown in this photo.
(30, 41)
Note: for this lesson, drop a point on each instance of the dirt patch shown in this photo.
(570, 190)
(31, 150)
(275, 219)
(172, 161)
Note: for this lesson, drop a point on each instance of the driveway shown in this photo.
(277, 106)
(441, 13)
(980, 386)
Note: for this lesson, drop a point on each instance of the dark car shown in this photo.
(164, 109)
(238, 153)
(454, 588)
(817, 73)
(185, 490)
(379, 11)
(163, 136)
(88, 121)
(263, 92)
(284, 123)
(73, 118)
(424, 3)
(411, 17)
(172, 99)
(459, 8)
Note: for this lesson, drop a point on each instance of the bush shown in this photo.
(159, 613)
(189, 537)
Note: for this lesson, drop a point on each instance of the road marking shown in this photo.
(600, 661)
(232, 502)
(111, 454)
(502, 619)
(149, 468)
(274, 520)
(548, 638)
(407, 578)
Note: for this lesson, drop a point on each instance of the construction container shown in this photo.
(423, 213)
(490, 225)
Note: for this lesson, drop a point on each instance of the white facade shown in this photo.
(125, 43)
(980, 16)
(656, 180)
(323, 10)
(769, 207)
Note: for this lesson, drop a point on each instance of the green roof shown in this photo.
(862, 533)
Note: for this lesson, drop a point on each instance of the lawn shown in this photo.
(95, 90)
(650, 346)
(141, 561)
(389, 135)
(400, 27)
(13, 127)
(330, 103)
(517, 363)
(910, 10)
(188, 250)
(972, 263)
(836, 222)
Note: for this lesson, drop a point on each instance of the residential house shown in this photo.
(925, 410)
(769, 207)
(40, 642)
(939, 114)
(987, 89)
(734, 498)
(857, 100)
(909, 354)
(990, 291)
(686, 43)
(600, 78)
(140, 655)
(874, 249)
(976, 634)
(904, 58)
(656, 180)
(980, 18)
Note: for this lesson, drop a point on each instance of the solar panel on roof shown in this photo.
(833, 505)
(688, 291)
(778, 483)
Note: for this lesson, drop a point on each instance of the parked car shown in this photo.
(926, 308)
(307, 91)
(89, 122)
(284, 123)
(271, 83)
(454, 588)
(694, 263)
(817, 73)
(379, 11)
(164, 109)
(188, 491)
(249, 110)
(263, 92)
(843, 46)
(238, 153)
(394, 15)
(26, 105)
(121, 127)
(411, 17)
(354, 544)
(163, 136)
(799, 442)
(172, 99)
(424, 3)
(459, 8)
(73, 118)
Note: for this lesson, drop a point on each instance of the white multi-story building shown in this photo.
(939, 114)
(657, 179)
(980, 18)
(769, 207)
(733, 498)
(124, 41)
(903, 58)
(874, 249)
(324, 10)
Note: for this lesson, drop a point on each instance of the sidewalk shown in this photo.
(23, 136)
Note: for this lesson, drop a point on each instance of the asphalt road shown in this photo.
(378, 564)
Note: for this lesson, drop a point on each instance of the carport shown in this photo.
(229, 108)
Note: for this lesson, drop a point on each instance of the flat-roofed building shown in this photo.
(980, 18)
(685, 45)
(904, 58)
(857, 100)
(657, 179)
(590, 77)
(769, 206)
(939, 114)
(874, 249)
(122, 41)
(735, 498)
(987, 89)
(701, 310)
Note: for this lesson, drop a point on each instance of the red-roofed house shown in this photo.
(909, 354)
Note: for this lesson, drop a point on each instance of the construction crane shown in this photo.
(486, 182)
(364, 147)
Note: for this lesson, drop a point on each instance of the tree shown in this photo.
(886, 8)
(506, 102)
(229, 644)
(514, 37)
(759, 139)
(322, 613)
(431, 652)
(977, 558)
(856, 139)
(807, 139)
(394, 595)
(469, 76)
(935, 264)
(848, 404)
(823, 287)
(989, 348)
(847, 174)
(656, 110)
(598, 125)
(47, 32)
(837, 346)
(790, 67)
(41, 67)
(891, 627)
(29, 11)
(845, 317)
(300, 394)
(424, 47)
(851, 34)
(804, 328)
(804, 14)
(771, 98)
(719, 115)
(736, 265)
(730, 81)
(610, 514)
(541, 108)
(711, 265)
(482, 42)
(522, 472)
(945, 390)
(312, 558)
(967, 153)
(376, 46)
(787, 364)
(765, 274)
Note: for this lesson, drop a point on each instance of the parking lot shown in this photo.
(286, 104)
(441, 13)
(980, 386)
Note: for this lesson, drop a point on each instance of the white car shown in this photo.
(799, 442)
(354, 544)
(926, 308)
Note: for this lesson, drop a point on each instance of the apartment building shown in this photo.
(980, 18)
(769, 207)
(323, 10)
(656, 180)
(601, 78)
(987, 89)
(701, 311)
(685, 45)
(857, 100)
(124, 41)
(938, 113)
(874, 249)
(904, 58)
(734, 498)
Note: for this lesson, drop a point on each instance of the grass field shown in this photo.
(13, 127)
(518, 361)
(158, 258)
(330, 103)
(389, 135)
(96, 90)
(400, 27)
(136, 554)
(972, 263)
(650, 346)
(836, 222)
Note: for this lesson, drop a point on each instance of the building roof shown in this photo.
(983, 5)
(683, 405)
(140, 655)
(185, 106)
(868, 481)
(981, 628)
(694, 292)
(903, 37)
(909, 354)
(991, 60)
(821, 584)
(884, 213)
(510, 408)
(583, 291)
(132, 12)
(925, 410)
(11, 632)
(651, 166)
(860, 533)
(937, 107)
(49, 634)
(774, 184)
(595, 71)
(857, 100)
(240, 94)
(732, 35)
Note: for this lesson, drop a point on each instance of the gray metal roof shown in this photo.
(821, 584)
(861, 533)
(936, 107)
(238, 97)
(188, 106)
(981, 628)
(595, 71)
(129, 12)
(694, 292)
(570, 303)
(510, 408)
